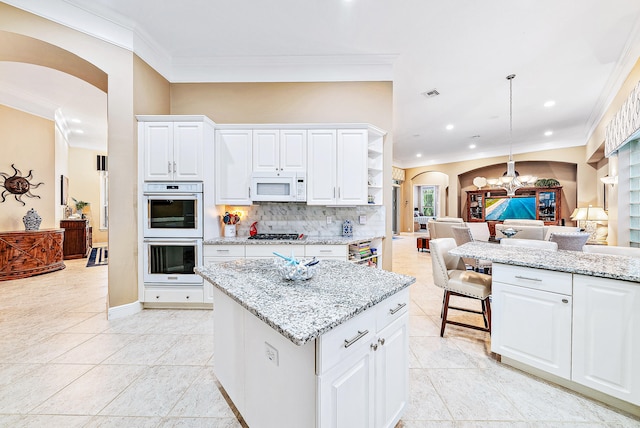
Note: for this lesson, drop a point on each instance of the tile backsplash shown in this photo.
(310, 219)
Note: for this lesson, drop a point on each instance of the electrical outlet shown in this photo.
(363, 219)
(271, 353)
(329, 219)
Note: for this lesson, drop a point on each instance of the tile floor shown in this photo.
(62, 364)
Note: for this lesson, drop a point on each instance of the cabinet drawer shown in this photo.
(345, 339)
(392, 308)
(261, 251)
(333, 251)
(234, 251)
(538, 279)
(172, 295)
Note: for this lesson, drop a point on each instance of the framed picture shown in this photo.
(64, 190)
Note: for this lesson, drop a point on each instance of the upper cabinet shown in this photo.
(279, 150)
(337, 167)
(173, 149)
(233, 148)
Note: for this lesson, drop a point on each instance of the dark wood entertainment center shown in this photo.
(548, 201)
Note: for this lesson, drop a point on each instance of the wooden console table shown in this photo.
(28, 253)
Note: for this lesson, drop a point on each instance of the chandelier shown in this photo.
(511, 180)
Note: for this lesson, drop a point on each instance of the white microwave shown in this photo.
(283, 186)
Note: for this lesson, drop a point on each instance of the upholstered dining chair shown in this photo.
(572, 241)
(462, 235)
(530, 243)
(450, 274)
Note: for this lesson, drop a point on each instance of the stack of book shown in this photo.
(359, 251)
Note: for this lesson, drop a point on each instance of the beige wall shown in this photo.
(364, 102)
(22, 135)
(583, 189)
(84, 185)
(99, 60)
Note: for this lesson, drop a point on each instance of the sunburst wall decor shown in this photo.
(18, 185)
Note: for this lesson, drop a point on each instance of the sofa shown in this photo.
(532, 229)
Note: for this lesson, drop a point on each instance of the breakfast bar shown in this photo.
(567, 316)
(331, 351)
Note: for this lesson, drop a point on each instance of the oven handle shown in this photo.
(172, 194)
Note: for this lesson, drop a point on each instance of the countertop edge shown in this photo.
(315, 240)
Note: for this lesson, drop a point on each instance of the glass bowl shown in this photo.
(295, 272)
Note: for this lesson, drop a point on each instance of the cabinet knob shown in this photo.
(381, 341)
(374, 346)
(157, 297)
(187, 297)
(565, 301)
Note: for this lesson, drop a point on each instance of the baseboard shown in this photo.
(124, 310)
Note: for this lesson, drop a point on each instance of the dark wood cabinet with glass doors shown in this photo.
(531, 203)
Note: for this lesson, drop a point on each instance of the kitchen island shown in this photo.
(331, 351)
(567, 316)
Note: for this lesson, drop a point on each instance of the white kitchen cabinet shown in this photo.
(233, 166)
(266, 251)
(173, 151)
(222, 253)
(279, 150)
(368, 385)
(606, 336)
(326, 252)
(375, 176)
(531, 317)
(337, 167)
(183, 294)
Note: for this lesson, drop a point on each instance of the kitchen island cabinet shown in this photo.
(568, 316)
(328, 352)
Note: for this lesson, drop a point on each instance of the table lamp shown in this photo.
(591, 216)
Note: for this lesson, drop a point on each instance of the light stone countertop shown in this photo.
(306, 240)
(601, 265)
(304, 310)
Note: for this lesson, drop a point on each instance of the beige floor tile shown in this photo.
(191, 349)
(91, 392)
(154, 392)
(470, 395)
(146, 349)
(435, 352)
(424, 402)
(96, 349)
(123, 421)
(199, 423)
(203, 399)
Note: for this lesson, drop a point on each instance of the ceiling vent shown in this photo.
(432, 93)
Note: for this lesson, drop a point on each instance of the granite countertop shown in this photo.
(304, 310)
(602, 265)
(307, 240)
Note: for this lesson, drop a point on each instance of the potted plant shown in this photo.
(80, 205)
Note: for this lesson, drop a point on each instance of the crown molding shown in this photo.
(620, 73)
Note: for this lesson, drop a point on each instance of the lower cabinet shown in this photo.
(606, 336)
(77, 238)
(355, 375)
(580, 328)
(174, 295)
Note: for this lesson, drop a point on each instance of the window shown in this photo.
(429, 201)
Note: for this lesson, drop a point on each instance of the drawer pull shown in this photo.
(565, 300)
(397, 308)
(359, 336)
(326, 251)
(527, 278)
(222, 251)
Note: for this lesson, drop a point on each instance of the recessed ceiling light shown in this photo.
(550, 103)
(548, 133)
(76, 120)
(419, 155)
(472, 146)
(449, 127)
(431, 93)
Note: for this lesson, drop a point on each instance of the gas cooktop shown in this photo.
(278, 236)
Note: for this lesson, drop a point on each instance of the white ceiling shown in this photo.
(576, 52)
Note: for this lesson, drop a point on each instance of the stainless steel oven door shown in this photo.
(173, 216)
(171, 261)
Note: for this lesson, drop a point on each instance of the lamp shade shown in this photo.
(589, 214)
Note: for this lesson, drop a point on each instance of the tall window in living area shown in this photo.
(429, 201)
(634, 196)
